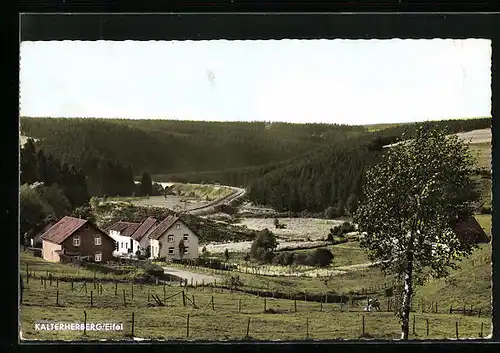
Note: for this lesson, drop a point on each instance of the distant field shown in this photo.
(378, 127)
(482, 151)
(296, 228)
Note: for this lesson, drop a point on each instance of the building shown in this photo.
(165, 239)
(121, 232)
(76, 238)
(131, 236)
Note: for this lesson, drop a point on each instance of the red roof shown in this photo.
(146, 227)
(163, 227)
(125, 228)
(60, 231)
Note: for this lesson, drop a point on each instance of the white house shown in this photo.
(165, 239)
(132, 236)
(121, 232)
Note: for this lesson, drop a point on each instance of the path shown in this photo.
(188, 275)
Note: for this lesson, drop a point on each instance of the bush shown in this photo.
(320, 257)
(300, 258)
(485, 210)
(153, 270)
(331, 213)
(284, 258)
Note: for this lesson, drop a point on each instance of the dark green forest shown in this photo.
(292, 167)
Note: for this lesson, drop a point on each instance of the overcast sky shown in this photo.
(332, 81)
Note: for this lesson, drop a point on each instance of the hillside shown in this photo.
(162, 146)
(290, 167)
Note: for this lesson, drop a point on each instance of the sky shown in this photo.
(299, 81)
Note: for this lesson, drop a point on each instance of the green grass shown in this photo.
(469, 285)
(40, 267)
(205, 192)
(482, 151)
(325, 321)
(484, 221)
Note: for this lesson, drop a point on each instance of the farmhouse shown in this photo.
(165, 239)
(131, 236)
(121, 233)
(76, 238)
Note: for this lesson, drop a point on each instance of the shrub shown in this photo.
(153, 270)
(300, 258)
(331, 213)
(485, 210)
(320, 257)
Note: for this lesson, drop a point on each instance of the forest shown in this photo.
(291, 167)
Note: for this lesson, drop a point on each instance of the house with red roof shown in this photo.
(165, 238)
(76, 238)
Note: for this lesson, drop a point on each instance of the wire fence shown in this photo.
(177, 312)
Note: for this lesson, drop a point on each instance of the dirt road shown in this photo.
(188, 275)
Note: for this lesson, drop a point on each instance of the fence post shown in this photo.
(72, 284)
(307, 328)
(463, 310)
(341, 303)
(481, 334)
(363, 326)
(305, 296)
(27, 274)
(194, 303)
(101, 288)
(295, 304)
(183, 299)
(239, 305)
(456, 329)
(187, 327)
(91, 298)
(57, 297)
(133, 324)
(436, 307)
(451, 308)
(427, 326)
(248, 328)
(149, 299)
(84, 322)
(414, 324)
(213, 308)
(116, 289)
(132, 291)
(85, 285)
(265, 305)
(479, 313)
(321, 306)
(124, 300)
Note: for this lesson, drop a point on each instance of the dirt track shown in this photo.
(195, 277)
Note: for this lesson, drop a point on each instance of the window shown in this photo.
(186, 250)
(97, 257)
(178, 226)
(121, 245)
(76, 240)
(97, 240)
(170, 251)
(185, 237)
(170, 238)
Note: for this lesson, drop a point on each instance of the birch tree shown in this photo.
(411, 201)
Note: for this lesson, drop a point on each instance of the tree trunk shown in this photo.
(406, 304)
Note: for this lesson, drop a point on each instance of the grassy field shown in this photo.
(296, 228)
(484, 221)
(202, 191)
(482, 152)
(227, 319)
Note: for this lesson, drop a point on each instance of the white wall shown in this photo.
(178, 234)
(123, 243)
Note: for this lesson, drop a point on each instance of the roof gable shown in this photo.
(469, 230)
(146, 227)
(60, 231)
